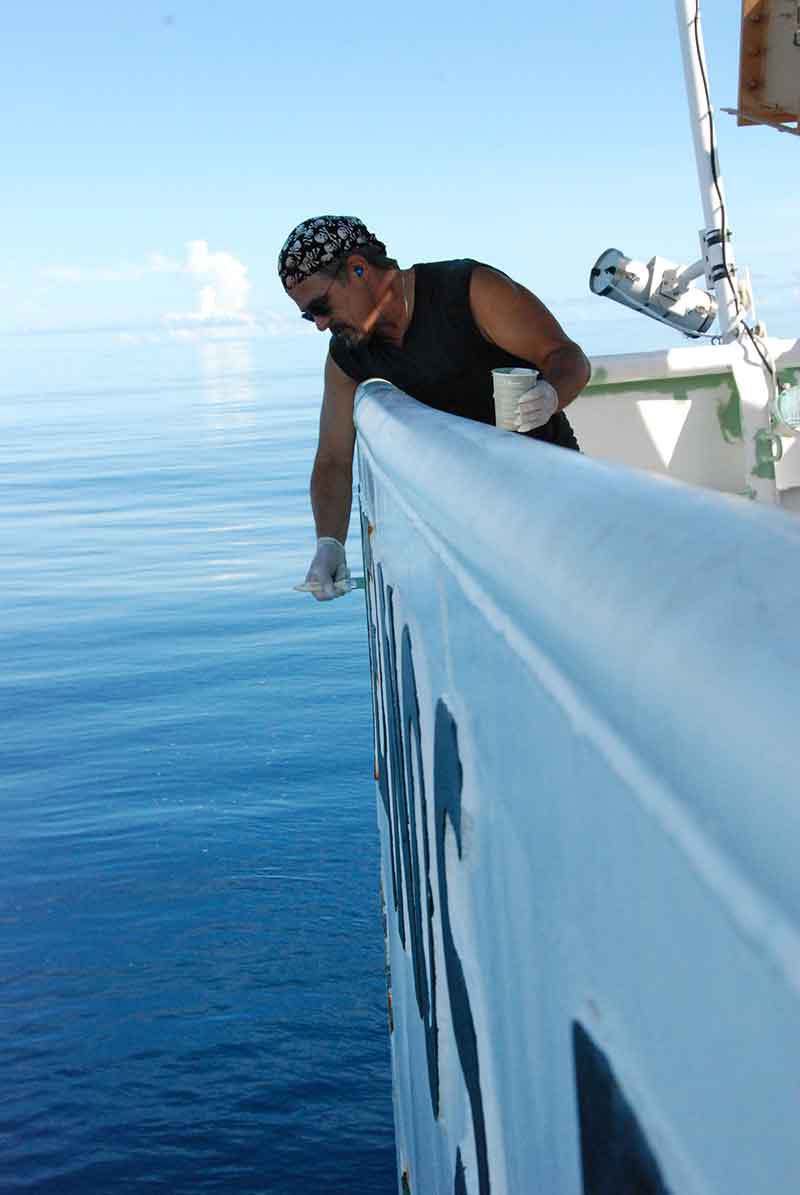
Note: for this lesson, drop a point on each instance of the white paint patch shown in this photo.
(664, 419)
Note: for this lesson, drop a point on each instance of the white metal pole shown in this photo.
(752, 375)
(712, 194)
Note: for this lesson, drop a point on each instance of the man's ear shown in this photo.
(357, 265)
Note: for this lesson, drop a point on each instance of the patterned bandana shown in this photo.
(315, 243)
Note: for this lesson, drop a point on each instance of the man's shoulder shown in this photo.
(446, 279)
(452, 265)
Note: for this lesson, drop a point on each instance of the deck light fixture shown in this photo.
(660, 289)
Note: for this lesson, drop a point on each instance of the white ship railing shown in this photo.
(586, 687)
(689, 361)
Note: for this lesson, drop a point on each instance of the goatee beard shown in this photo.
(351, 338)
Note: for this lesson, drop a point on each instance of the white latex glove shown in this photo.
(328, 573)
(536, 406)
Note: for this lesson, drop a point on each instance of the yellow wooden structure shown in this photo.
(769, 65)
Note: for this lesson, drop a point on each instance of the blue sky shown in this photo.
(157, 154)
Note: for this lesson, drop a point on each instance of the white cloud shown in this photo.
(195, 327)
(222, 292)
(155, 264)
(224, 283)
(139, 337)
(159, 264)
(227, 285)
(222, 297)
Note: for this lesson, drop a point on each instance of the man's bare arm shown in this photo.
(511, 317)
(332, 475)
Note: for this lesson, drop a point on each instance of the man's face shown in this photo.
(334, 304)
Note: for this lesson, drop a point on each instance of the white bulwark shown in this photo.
(686, 413)
(586, 687)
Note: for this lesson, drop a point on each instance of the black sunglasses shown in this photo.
(319, 307)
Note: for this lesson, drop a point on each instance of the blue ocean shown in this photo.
(192, 992)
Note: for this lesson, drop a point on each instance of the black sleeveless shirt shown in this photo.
(444, 360)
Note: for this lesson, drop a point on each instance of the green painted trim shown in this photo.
(729, 415)
(766, 443)
(729, 411)
(680, 389)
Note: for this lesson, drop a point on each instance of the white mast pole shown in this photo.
(712, 192)
(753, 375)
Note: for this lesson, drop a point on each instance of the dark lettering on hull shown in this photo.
(378, 720)
(395, 772)
(460, 1184)
(616, 1157)
(401, 782)
(386, 736)
(376, 638)
(423, 906)
(447, 779)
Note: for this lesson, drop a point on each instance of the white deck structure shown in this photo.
(680, 412)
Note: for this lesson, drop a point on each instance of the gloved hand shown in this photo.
(328, 573)
(536, 406)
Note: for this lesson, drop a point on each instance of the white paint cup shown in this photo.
(510, 383)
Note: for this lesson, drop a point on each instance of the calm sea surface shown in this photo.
(191, 957)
